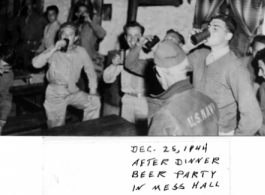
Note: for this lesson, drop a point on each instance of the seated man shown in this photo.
(7, 60)
(63, 74)
(180, 110)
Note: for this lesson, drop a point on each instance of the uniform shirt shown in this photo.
(50, 33)
(65, 68)
(129, 83)
(228, 84)
(89, 34)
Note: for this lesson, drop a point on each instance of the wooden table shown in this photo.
(111, 125)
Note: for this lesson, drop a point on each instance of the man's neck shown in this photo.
(72, 47)
(218, 47)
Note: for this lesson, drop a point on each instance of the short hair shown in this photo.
(53, 8)
(258, 39)
(181, 38)
(69, 24)
(133, 24)
(228, 20)
(8, 54)
(89, 7)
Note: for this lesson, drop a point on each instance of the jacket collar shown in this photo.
(174, 89)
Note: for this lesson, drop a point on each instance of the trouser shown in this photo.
(58, 98)
(134, 109)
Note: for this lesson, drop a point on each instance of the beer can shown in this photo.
(199, 37)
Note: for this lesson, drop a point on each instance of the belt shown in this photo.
(58, 85)
(138, 95)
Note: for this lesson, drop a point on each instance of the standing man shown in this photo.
(219, 74)
(51, 29)
(134, 104)
(31, 25)
(90, 32)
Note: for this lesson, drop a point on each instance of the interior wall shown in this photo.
(114, 27)
(156, 19)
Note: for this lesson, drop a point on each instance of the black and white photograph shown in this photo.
(139, 96)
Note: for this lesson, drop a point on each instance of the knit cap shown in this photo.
(168, 54)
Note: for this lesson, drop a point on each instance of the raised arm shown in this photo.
(98, 30)
(40, 60)
(134, 64)
(94, 24)
(112, 71)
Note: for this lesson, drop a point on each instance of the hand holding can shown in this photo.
(64, 48)
(150, 44)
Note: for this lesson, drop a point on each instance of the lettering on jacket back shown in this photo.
(201, 115)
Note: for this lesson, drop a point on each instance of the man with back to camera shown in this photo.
(180, 110)
(219, 74)
(141, 66)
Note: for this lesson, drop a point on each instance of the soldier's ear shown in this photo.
(229, 36)
(76, 38)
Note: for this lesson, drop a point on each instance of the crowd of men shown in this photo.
(218, 98)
